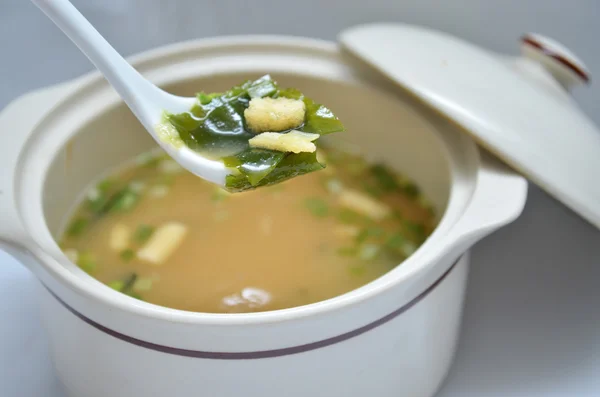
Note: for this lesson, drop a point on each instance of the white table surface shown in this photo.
(532, 317)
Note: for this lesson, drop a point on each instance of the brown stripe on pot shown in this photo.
(253, 355)
(557, 57)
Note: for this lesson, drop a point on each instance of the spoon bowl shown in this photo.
(147, 102)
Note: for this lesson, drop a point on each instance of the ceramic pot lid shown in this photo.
(519, 108)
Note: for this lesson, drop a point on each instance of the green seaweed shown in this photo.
(216, 127)
(291, 166)
(254, 164)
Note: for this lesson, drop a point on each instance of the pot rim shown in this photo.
(428, 253)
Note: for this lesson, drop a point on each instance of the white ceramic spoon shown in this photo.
(146, 101)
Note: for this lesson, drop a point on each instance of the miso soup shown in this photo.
(160, 234)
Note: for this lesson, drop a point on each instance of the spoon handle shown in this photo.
(144, 99)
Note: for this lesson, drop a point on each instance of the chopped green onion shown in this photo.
(399, 243)
(414, 227)
(105, 185)
(396, 241)
(369, 251)
(117, 285)
(96, 205)
(409, 248)
(410, 189)
(422, 201)
(164, 179)
(431, 210)
(398, 215)
(143, 284)
(126, 286)
(357, 270)
(348, 216)
(355, 168)
(123, 200)
(333, 185)
(417, 230)
(369, 232)
(71, 254)
(86, 262)
(128, 282)
(385, 178)
(137, 186)
(127, 254)
(158, 191)
(318, 207)
(373, 191)
(143, 233)
(375, 232)
(134, 295)
(77, 227)
(126, 201)
(96, 199)
(347, 251)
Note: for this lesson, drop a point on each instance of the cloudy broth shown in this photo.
(160, 234)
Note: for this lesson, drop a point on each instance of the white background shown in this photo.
(532, 320)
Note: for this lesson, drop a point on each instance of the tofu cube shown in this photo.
(119, 237)
(364, 204)
(293, 141)
(163, 243)
(274, 114)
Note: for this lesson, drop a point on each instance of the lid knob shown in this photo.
(564, 66)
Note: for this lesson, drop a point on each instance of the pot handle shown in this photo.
(498, 199)
(17, 122)
(562, 64)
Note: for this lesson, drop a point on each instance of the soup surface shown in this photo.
(160, 234)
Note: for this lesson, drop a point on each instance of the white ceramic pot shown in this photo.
(393, 337)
